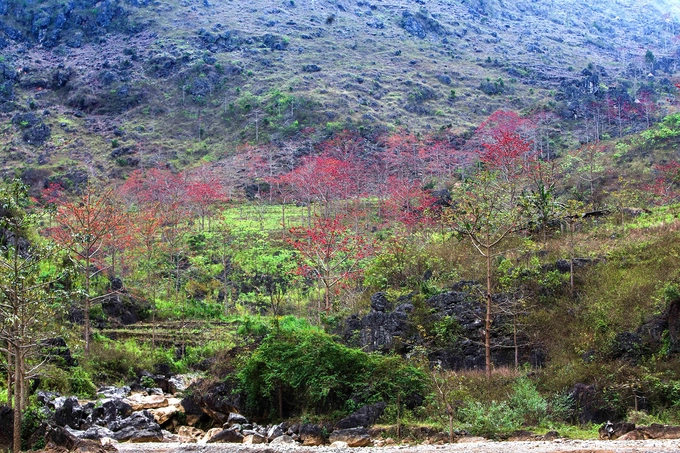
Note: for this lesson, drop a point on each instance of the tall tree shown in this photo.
(26, 304)
(83, 226)
(487, 212)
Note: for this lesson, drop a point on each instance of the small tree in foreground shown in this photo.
(26, 306)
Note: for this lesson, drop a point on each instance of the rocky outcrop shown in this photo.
(34, 130)
(364, 417)
(459, 316)
(353, 437)
(382, 329)
(312, 435)
(590, 405)
(139, 401)
(60, 437)
(628, 431)
(217, 400)
(6, 427)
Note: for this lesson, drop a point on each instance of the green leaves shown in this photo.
(314, 373)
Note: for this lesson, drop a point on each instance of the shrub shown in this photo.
(32, 418)
(530, 407)
(81, 383)
(310, 372)
(489, 419)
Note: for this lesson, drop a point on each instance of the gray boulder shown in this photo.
(69, 414)
(364, 417)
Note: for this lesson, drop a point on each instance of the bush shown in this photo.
(31, 420)
(81, 383)
(489, 419)
(310, 372)
(530, 407)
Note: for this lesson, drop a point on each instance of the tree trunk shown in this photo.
(86, 308)
(514, 339)
(283, 221)
(487, 324)
(17, 400)
(9, 376)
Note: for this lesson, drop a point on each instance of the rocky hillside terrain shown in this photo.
(100, 88)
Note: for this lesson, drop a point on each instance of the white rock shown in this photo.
(140, 402)
(189, 434)
(283, 440)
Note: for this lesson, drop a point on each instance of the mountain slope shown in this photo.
(115, 85)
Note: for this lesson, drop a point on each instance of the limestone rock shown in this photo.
(234, 419)
(353, 437)
(283, 440)
(311, 435)
(140, 402)
(254, 439)
(613, 431)
(189, 434)
(208, 435)
(163, 414)
(226, 436)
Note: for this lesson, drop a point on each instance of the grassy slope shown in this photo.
(375, 77)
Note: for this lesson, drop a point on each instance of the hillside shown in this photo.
(106, 87)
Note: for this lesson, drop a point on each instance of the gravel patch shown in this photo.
(557, 446)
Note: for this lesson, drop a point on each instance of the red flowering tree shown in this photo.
(408, 203)
(148, 225)
(205, 194)
(667, 182)
(330, 252)
(323, 179)
(83, 226)
(402, 155)
(345, 146)
(505, 143)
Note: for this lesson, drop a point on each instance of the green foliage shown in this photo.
(317, 374)
(530, 407)
(488, 419)
(32, 417)
(524, 407)
(81, 383)
(668, 128)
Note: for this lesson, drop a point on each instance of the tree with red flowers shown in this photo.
(346, 146)
(667, 182)
(325, 180)
(488, 208)
(205, 194)
(330, 252)
(505, 143)
(83, 226)
(148, 224)
(402, 155)
(408, 203)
